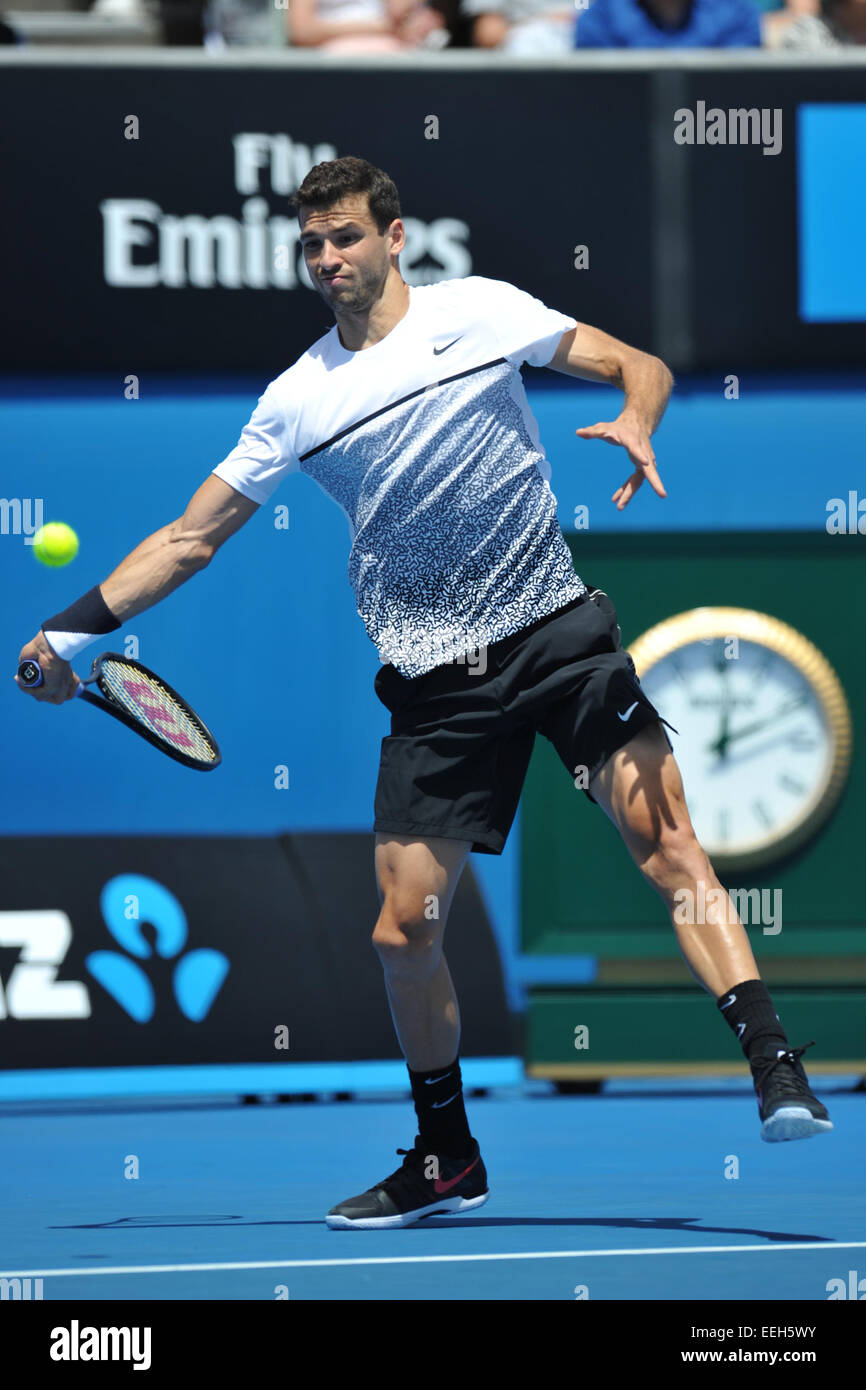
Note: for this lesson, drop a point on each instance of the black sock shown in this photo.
(438, 1097)
(749, 1010)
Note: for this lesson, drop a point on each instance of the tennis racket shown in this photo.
(144, 703)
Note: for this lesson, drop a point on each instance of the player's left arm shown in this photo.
(646, 383)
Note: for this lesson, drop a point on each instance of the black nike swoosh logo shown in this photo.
(436, 351)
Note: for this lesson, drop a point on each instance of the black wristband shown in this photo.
(70, 631)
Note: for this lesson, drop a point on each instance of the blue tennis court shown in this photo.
(620, 1196)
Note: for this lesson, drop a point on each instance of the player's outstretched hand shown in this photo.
(634, 439)
(59, 681)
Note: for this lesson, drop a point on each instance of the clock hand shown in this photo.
(721, 744)
(756, 750)
(758, 724)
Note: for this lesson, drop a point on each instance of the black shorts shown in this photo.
(462, 734)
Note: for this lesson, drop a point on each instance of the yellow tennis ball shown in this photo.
(55, 544)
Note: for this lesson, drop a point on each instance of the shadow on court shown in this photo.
(647, 1223)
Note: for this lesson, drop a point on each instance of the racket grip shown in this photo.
(30, 674)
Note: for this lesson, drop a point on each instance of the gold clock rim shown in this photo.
(749, 624)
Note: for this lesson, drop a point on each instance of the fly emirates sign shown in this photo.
(145, 246)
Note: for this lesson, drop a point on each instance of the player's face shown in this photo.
(347, 257)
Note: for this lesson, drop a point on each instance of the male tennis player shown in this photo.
(410, 412)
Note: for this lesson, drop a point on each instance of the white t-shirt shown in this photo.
(427, 442)
(517, 11)
(356, 11)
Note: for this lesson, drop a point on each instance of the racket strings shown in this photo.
(147, 700)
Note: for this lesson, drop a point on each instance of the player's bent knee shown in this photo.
(407, 940)
(676, 855)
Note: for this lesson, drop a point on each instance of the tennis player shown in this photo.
(411, 413)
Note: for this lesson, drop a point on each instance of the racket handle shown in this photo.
(30, 674)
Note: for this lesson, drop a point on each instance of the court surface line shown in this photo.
(432, 1259)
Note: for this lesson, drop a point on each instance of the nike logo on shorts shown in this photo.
(442, 1185)
(629, 712)
(741, 1028)
(431, 1080)
(437, 351)
(728, 1002)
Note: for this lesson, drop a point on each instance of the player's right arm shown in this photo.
(158, 566)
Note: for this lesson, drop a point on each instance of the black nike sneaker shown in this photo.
(409, 1194)
(785, 1103)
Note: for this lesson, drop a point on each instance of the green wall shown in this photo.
(581, 894)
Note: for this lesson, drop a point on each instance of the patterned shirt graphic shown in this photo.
(427, 442)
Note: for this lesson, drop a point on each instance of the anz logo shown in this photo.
(32, 990)
(43, 938)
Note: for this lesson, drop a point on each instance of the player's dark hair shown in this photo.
(329, 182)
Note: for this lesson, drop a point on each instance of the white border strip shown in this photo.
(460, 60)
(434, 1259)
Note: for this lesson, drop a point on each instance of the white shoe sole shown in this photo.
(793, 1122)
(447, 1207)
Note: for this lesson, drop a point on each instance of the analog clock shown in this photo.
(764, 740)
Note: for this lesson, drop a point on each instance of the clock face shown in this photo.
(759, 739)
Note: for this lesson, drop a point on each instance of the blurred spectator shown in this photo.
(365, 26)
(457, 22)
(669, 24)
(778, 15)
(525, 28)
(243, 24)
(839, 24)
(132, 11)
(180, 21)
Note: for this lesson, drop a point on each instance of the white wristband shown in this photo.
(66, 645)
